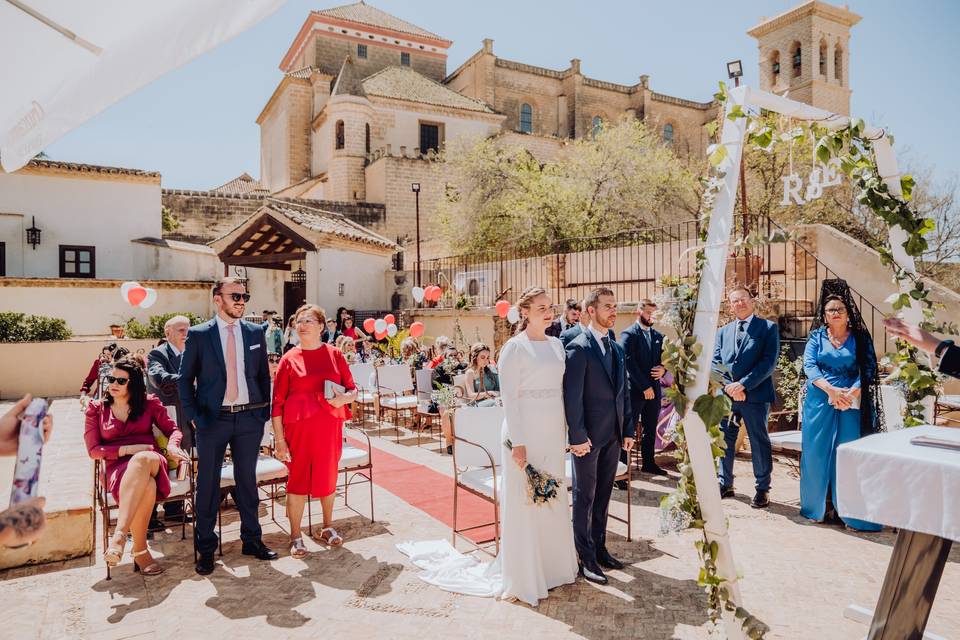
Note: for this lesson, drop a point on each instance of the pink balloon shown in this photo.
(503, 307)
(380, 335)
(390, 319)
(136, 295)
(416, 329)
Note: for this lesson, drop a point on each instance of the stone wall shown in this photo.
(331, 52)
(204, 216)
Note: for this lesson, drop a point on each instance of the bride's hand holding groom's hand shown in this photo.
(519, 454)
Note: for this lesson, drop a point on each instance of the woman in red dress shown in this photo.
(307, 427)
(119, 430)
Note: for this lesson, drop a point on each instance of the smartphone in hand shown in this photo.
(26, 474)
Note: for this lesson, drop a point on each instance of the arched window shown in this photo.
(838, 64)
(668, 134)
(823, 58)
(339, 135)
(367, 137)
(526, 118)
(774, 67)
(797, 59)
(596, 125)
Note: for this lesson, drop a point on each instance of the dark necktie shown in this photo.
(646, 335)
(741, 333)
(607, 352)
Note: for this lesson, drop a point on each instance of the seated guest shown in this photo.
(91, 386)
(331, 333)
(412, 353)
(450, 366)
(307, 426)
(119, 430)
(348, 348)
(569, 319)
(163, 371)
(439, 351)
(842, 392)
(482, 382)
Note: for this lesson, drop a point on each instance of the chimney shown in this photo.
(488, 45)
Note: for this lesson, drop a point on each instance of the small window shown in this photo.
(3, 259)
(429, 137)
(668, 134)
(838, 64)
(797, 60)
(366, 133)
(404, 58)
(823, 58)
(77, 261)
(362, 51)
(526, 118)
(339, 135)
(596, 125)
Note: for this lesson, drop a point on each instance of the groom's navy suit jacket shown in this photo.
(596, 399)
(203, 362)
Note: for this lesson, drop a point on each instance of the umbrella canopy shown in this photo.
(65, 62)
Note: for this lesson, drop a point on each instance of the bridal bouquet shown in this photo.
(541, 486)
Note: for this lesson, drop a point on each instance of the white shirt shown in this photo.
(746, 322)
(243, 394)
(599, 336)
(176, 351)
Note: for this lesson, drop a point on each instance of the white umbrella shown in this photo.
(64, 62)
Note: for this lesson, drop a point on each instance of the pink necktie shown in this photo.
(232, 389)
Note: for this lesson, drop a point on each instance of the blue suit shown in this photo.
(751, 364)
(641, 357)
(569, 334)
(597, 405)
(203, 365)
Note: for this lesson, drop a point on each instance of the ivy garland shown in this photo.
(680, 509)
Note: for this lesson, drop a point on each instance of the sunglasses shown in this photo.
(114, 379)
(237, 297)
(273, 359)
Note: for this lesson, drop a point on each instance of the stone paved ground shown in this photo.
(797, 577)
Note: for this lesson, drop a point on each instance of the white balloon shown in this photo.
(380, 325)
(125, 287)
(418, 293)
(147, 302)
(513, 316)
(391, 330)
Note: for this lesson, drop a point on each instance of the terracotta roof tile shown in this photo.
(243, 183)
(329, 222)
(90, 168)
(363, 13)
(406, 84)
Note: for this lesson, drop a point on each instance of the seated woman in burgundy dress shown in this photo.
(307, 427)
(119, 430)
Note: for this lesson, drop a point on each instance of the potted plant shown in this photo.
(790, 380)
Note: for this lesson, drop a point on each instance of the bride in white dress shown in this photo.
(536, 543)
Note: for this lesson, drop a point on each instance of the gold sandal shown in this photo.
(151, 569)
(114, 553)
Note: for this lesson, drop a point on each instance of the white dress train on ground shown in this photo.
(536, 542)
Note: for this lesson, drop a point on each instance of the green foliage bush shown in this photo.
(20, 327)
(154, 326)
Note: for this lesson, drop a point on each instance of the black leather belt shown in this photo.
(237, 408)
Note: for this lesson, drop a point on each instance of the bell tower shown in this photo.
(806, 53)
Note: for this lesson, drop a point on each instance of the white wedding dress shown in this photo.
(536, 541)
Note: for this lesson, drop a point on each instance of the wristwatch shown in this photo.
(944, 344)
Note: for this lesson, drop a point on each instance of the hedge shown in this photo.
(154, 326)
(20, 327)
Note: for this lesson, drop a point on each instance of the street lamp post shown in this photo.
(415, 187)
(735, 72)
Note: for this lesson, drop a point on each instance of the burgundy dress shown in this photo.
(105, 434)
(312, 427)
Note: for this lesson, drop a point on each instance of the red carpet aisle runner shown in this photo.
(430, 491)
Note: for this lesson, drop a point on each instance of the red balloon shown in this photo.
(136, 295)
(390, 319)
(437, 293)
(416, 329)
(503, 307)
(380, 335)
(368, 325)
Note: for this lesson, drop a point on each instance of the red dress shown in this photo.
(312, 427)
(104, 434)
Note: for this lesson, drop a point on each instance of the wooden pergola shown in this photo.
(266, 243)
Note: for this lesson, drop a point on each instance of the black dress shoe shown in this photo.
(726, 492)
(205, 564)
(622, 485)
(593, 573)
(760, 501)
(259, 550)
(156, 525)
(653, 469)
(607, 561)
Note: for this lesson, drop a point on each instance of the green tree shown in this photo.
(622, 178)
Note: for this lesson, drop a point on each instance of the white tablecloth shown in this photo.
(884, 478)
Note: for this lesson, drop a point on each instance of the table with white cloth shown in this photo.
(885, 478)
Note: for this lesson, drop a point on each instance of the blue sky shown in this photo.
(197, 125)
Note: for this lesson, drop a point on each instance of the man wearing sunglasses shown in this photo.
(226, 358)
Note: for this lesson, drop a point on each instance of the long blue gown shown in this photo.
(825, 428)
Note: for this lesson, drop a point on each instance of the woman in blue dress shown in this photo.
(841, 368)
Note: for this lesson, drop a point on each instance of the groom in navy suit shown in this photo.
(597, 405)
(746, 356)
(226, 358)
